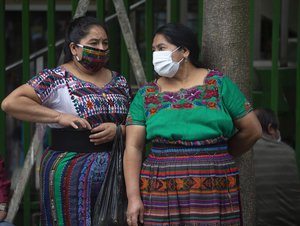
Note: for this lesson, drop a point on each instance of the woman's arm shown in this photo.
(249, 131)
(135, 142)
(24, 104)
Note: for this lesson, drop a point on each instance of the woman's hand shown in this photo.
(3, 215)
(103, 133)
(135, 142)
(68, 120)
(135, 212)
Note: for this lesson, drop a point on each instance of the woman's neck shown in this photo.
(186, 78)
(99, 78)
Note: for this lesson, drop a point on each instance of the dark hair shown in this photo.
(181, 36)
(76, 30)
(267, 116)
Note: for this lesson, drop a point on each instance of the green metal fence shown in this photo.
(273, 77)
(281, 90)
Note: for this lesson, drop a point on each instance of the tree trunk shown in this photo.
(128, 35)
(226, 47)
(35, 146)
(82, 8)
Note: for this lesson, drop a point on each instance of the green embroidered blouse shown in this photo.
(197, 115)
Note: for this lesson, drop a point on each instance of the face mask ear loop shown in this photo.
(175, 51)
(81, 46)
(181, 60)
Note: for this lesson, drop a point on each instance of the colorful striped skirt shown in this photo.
(190, 186)
(70, 183)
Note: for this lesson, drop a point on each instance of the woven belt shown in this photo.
(71, 140)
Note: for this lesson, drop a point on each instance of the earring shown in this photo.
(185, 60)
(77, 58)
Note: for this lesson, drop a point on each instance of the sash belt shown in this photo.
(71, 140)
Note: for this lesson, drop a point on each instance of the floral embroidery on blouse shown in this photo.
(100, 104)
(247, 106)
(202, 95)
(107, 104)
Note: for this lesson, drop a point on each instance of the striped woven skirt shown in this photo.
(190, 186)
(70, 183)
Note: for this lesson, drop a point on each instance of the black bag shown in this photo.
(111, 203)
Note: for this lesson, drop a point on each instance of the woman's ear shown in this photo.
(272, 131)
(72, 47)
(186, 52)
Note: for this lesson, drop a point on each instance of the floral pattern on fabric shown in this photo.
(96, 104)
(203, 95)
(202, 114)
(111, 101)
(206, 95)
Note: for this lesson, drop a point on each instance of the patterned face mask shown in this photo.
(93, 59)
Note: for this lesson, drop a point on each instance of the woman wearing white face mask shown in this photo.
(190, 115)
(163, 63)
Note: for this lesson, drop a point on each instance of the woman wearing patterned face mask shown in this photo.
(83, 102)
(197, 121)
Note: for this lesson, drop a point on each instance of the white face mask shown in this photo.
(278, 136)
(163, 63)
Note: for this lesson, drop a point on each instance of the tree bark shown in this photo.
(82, 8)
(226, 47)
(127, 33)
(35, 146)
